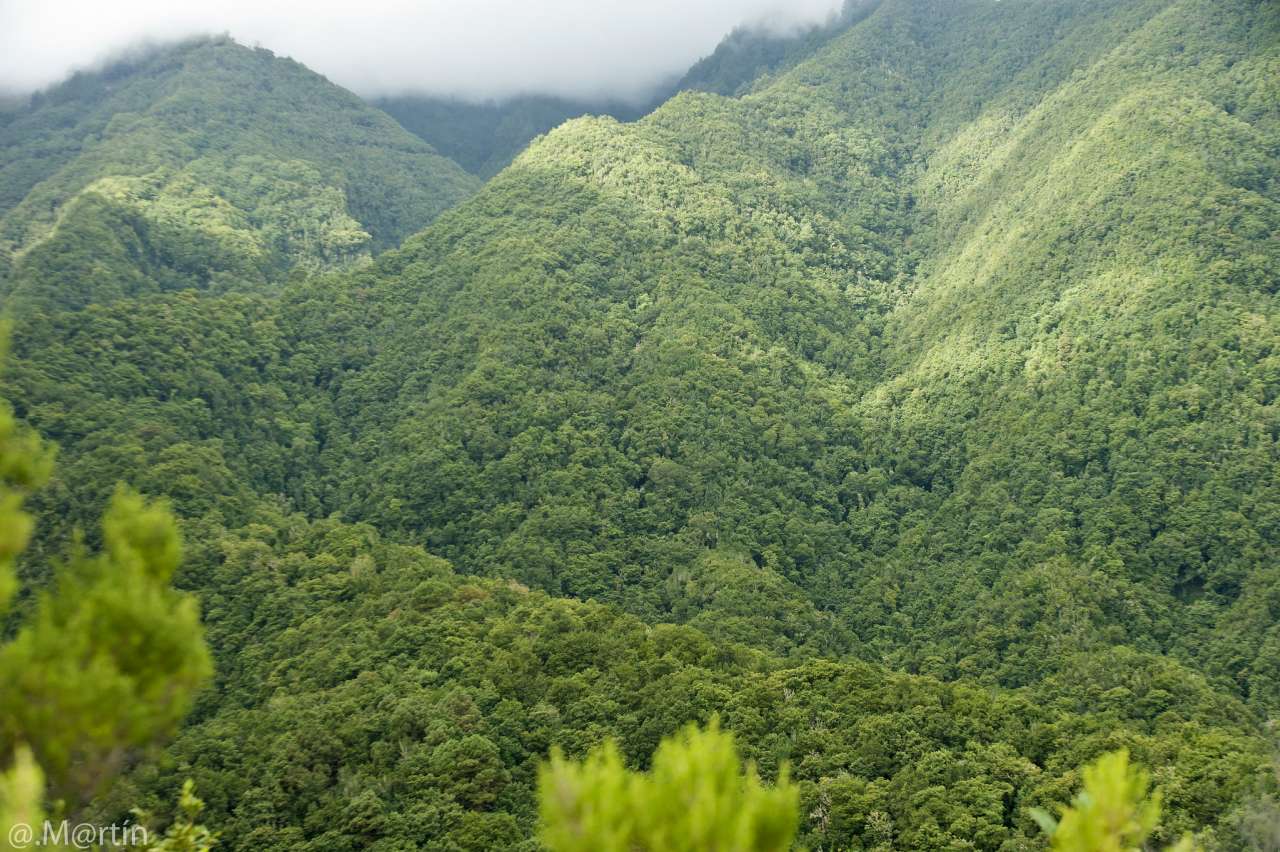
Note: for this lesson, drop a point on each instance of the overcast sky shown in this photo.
(474, 48)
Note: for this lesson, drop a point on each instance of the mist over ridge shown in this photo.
(488, 49)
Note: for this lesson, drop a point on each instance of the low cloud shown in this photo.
(468, 48)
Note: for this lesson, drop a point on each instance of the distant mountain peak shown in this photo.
(315, 177)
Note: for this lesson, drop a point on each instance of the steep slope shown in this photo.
(796, 353)
(206, 165)
(951, 348)
(750, 55)
(1076, 444)
(484, 137)
(643, 342)
(972, 351)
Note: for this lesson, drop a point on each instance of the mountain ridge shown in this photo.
(207, 160)
(915, 410)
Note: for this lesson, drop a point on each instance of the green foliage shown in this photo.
(484, 137)
(206, 165)
(21, 797)
(1112, 813)
(917, 344)
(108, 662)
(25, 464)
(185, 834)
(915, 411)
(368, 695)
(110, 659)
(695, 797)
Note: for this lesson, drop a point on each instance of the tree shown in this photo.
(109, 659)
(185, 834)
(696, 797)
(1113, 813)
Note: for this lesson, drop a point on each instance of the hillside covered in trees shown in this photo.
(485, 137)
(209, 166)
(910, 408)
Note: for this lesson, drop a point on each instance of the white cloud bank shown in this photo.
(471, 48)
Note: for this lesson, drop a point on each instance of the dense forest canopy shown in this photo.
(208, 165)
(904, 397)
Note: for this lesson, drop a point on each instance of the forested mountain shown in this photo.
(207, 165)
(10, 104)
(485, 137)
(750, 54)
(917, 348)
(914, 410)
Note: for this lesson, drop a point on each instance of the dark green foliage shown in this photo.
(484, 137)
(180, 395)
(368, 696)
(750, 54)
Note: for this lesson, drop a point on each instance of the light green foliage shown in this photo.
(21, 798)
(185, 834)
(206, 165)
(109, 660)
(24, 464)
(696, 796)
(1112, 813)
